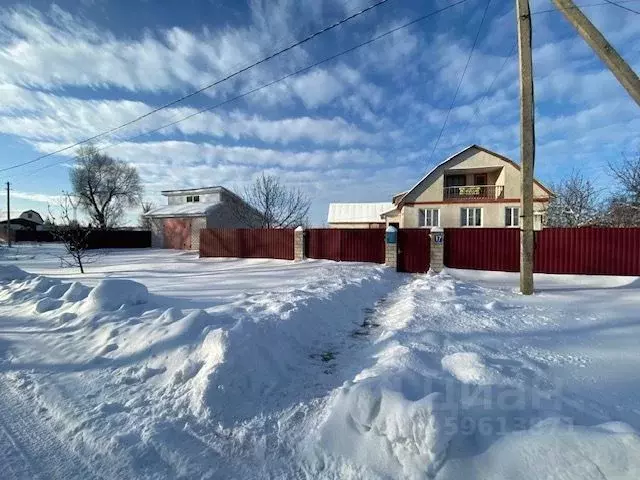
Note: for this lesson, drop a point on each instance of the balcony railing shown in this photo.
(474, 192)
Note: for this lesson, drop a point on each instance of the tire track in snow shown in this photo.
(29, 449)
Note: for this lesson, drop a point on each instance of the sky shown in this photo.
(360, 127)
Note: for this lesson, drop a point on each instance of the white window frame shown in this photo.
(423, 212)
(514, 217)
(464, 211)
(190, 199)
(196, 198)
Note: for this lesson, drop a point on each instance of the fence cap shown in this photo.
(391, 228)
(299, 229)
(437, 230)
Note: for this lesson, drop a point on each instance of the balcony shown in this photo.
(473, 193)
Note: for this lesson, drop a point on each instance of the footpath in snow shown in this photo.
(465, 382)
(159, 366)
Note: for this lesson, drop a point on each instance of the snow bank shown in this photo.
(11, 272)
(554, 449)
(374, 424)
(111, 294)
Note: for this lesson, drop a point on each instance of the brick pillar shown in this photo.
(437, 249)
(298, 244)
(391, 247)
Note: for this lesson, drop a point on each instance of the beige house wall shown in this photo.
(492, 213)
(503, 173)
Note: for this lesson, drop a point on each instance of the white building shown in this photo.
(178, 224)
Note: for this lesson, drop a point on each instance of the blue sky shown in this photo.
(358, 128)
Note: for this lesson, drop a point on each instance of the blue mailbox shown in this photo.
(391, 235)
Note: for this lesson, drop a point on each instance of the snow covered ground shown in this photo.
(157, 364)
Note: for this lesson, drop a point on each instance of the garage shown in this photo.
(177, 225)
(177, 233)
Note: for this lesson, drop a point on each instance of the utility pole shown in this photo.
(8, 214)
(527, 146)
(621, 69)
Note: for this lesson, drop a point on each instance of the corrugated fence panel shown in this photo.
(588, 251)
(482, 248)
(414, 250)
(579, 251)
(247, 243)
(346, 245)
(323, 243)
(366, 245)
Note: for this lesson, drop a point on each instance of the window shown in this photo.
(196, 198)
(455, 181)
(29, 215)
(189, 199)
(480, 179)
(429, 217)
(511, 216)
(470, 217)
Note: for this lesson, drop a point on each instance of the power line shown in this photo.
(453, 101)
(266, 85)
(206, 87)
(485, 96)
(623, 7)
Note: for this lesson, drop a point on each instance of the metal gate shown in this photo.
(177, 233)
(414, 247)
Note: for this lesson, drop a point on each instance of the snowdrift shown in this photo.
(359, 373)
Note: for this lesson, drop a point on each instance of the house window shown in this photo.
(29, 215)
(455, 181)
(471, 217)
(429, 217)
(189, 199)
(512, 217)
(196, 198)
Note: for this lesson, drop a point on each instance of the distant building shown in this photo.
(178, 224)
(28, 220)
(358, 215)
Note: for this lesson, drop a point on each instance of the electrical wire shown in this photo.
(273, 82)
(623, 7)
(455, 96)
(206, 87)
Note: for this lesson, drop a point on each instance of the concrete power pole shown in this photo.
(623, 72)
(527, 146)
(8, 214)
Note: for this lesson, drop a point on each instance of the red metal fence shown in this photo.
(247, 243)
(582, 251)
(482, 248)
(346, 245)
(414, 250)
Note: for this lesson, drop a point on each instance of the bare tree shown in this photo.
(145, 222)
(275, 205)
(576, 203)
(624, 207)
(73, 236)
(105, 186)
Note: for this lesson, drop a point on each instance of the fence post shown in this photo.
(437, 249)
(298, 244)
(391, 247)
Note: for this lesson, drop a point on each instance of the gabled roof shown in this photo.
(358, 212)
(448, 159)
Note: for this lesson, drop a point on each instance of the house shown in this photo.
(358, 215)
(178, 224)
(28, 220)
(475, 187)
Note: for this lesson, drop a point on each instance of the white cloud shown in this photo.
(44, 116)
